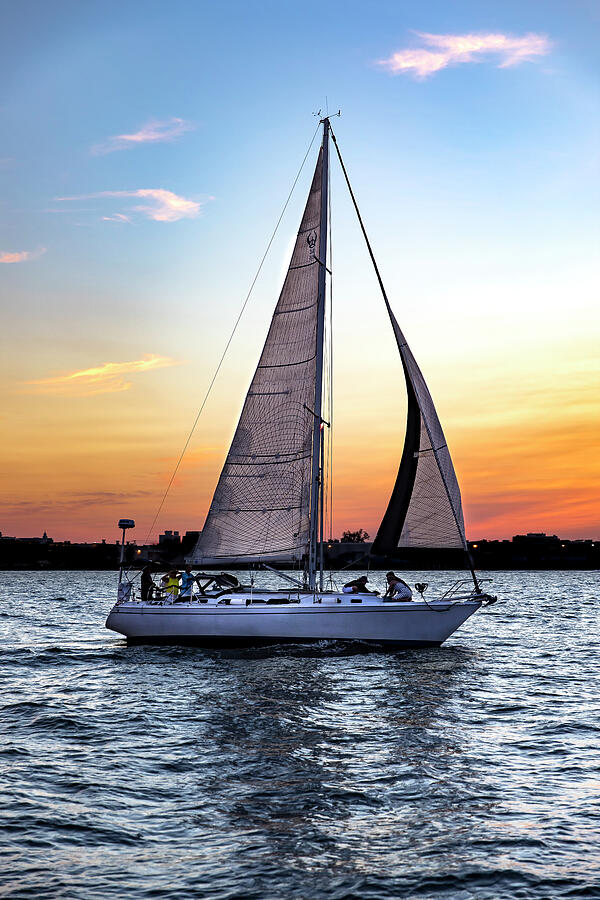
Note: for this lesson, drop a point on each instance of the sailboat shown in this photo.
(268, 506)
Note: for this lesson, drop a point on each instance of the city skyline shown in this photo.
(142, 180)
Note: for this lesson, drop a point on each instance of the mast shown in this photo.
(316, 490)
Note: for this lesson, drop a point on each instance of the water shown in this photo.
(467, 771)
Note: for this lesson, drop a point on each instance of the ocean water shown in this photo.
(466, 771)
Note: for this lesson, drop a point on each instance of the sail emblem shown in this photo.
(311, 240)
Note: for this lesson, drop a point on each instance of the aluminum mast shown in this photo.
(317, 476)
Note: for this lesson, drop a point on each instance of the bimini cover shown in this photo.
(261, 506)
(425, 508)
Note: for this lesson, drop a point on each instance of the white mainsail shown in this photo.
(261, 506)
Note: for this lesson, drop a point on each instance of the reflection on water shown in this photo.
(322, 771)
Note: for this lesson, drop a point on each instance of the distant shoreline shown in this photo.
(529, 552)
(355, 567)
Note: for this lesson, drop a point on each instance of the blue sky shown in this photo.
(478, 183)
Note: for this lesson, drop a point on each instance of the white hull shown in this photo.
(246, 618)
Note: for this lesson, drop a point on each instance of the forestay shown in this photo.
(425, 508)
(261, 506)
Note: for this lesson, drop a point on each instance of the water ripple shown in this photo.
(332, 771)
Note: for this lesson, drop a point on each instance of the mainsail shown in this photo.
(425, 508)
(261, 506)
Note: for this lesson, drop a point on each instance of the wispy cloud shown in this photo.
(154, 132)
(165, 205)
(118, 217)
(20, 255)
(442, 50)
(105, 379)
(72, 500)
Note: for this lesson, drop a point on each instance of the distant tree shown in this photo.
(355, 537)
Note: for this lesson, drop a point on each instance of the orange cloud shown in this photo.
(167, 207)
(444, 50)
(107, 378)
(152, 133)
(21, 255)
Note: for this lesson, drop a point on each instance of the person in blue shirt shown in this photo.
(187, 582)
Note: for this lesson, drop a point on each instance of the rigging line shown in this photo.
(392, 320)
(362, 224)
(354, 561)
(231, 336)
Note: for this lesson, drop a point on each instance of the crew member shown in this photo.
(187, 582)
(172, 583)
(397, 589)
(146, 584)
(358, 586)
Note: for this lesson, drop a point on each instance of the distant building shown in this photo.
(189, 541)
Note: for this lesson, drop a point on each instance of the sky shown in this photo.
(146, 152)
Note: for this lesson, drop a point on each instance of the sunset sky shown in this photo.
(146, 152)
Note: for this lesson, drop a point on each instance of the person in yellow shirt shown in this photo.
(172, 584)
